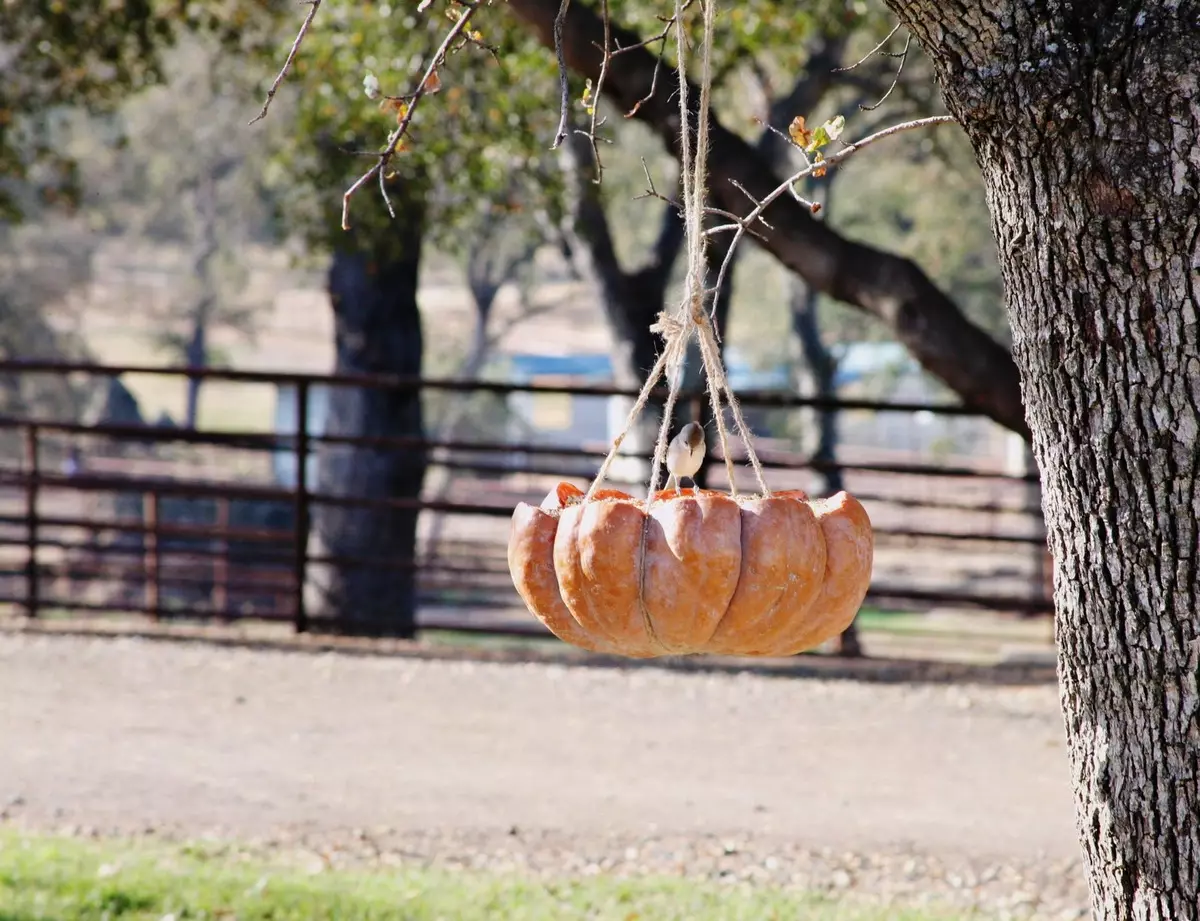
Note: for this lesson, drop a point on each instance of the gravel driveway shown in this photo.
(958, 793)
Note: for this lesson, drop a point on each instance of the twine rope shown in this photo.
(691, 315)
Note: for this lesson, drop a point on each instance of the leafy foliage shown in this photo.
(88, 54)
(480, 136)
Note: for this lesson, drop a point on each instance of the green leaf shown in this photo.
(826, 133)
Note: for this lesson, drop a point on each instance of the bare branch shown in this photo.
(831, 161)
(895, 79)
(599, 90)
(866, 57)
(423, 89)
(313, 6)
(882, 284)
(564, 84)
(608, 52)
(767, 126)
(661, 38)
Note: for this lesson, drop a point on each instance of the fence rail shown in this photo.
(149, 558)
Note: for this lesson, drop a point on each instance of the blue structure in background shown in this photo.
(283, 462)
(566, 420)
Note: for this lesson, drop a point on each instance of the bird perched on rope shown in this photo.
(685, 454)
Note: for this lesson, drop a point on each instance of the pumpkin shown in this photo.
(692, 572)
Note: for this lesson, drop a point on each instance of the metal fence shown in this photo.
(164, 521)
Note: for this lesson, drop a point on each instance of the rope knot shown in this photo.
(669, 326)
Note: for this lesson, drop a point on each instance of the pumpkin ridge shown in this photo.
(792, 578)
(647, 620)
(738, 581)
(558, 584)
(572, 538)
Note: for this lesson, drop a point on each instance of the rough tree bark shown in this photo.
(979, 369)
(1085, 117)
(373, 290)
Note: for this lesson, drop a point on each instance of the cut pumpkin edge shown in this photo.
(566, 495)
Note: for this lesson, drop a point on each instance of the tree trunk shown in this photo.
(204, 202)
(373, 290)
(1085, 121)
(805, 95)
(195, 356)
(822, 367)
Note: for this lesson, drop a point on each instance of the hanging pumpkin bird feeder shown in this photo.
(691, 571)
(688, 572)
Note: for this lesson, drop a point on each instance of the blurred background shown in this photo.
(216, 406)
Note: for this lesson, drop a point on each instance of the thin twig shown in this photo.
(709, 210)
(866, 57)
(895, 79)
(808, 170)
(313, 6)
(564, 84)
(661, 38)
(599, 88)
(608, 51)
(766, 125)
(439, 58)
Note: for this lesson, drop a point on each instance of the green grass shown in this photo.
(62, 879)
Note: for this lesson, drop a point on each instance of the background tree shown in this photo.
(1084, 120)
(59, 58)
(41, 263)
(199, 183)
(59, 55)
(460, 152)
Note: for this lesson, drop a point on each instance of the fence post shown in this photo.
(300, 559)
(32, 475)
(150, 559)
(220, 589)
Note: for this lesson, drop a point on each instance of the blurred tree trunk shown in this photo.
(204, 205)
(1085, 123)
(373, 291)
(822, 368)
(493, 262)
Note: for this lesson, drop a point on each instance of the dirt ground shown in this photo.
(908, 792)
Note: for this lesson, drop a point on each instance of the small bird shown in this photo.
(685, 454)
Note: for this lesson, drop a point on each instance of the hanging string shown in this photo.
(692, 314)
(651, 380)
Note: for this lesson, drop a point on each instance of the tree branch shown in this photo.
(979, 369)
(313, 6)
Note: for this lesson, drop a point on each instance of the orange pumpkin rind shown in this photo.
(698, 571)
